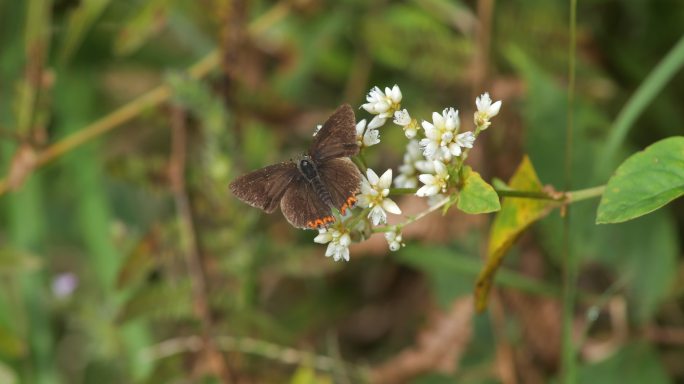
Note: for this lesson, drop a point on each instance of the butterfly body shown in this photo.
(308, 188)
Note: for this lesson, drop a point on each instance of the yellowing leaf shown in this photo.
(515, 216)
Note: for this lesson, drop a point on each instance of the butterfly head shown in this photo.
(307, 167)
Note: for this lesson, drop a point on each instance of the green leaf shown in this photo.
(634, 364)
(644, 182)
(476, 195)
(515, 216)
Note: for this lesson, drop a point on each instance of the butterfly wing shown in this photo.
(342, 180)
(303, 208)
(265, 187)
(337, 137)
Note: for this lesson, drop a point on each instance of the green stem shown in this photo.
(388, 228)
(584, 194)
(567, 197)
(537, 195)
(571, 264)
(403, 191)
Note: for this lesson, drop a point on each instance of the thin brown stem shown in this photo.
(255, 347)
(189, 245)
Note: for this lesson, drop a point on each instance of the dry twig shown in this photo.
(189, 244)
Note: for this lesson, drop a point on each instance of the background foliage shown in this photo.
(125, 259)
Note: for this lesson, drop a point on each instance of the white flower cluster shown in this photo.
(374, 191)
(442, 139)
(382, 104)
(428, 159)
(442, 142)
(338, 243)
(393, 238)
(485, 111)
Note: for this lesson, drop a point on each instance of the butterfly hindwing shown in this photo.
(303, 208)
(337, 137)
(342, 180)
(265, 187)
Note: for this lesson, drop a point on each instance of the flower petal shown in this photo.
(376, 122)
(323, 238)
(377, 215)
(386, 179)
(493, 110)
(427, 178)
(396, 94)
(391, 207)
(372, 177)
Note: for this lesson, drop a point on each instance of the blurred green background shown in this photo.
(124, 258)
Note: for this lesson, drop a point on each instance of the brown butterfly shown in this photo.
(308, 188)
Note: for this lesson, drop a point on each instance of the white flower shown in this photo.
(366, 136)
(463, 140)
(442, 140)
(394, 239)
(338, 243)
(374, 191)
(409, 125)
(382, 104)
(485, 111)
(434, 183)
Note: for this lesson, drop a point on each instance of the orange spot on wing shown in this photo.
(348, 204)
(318, 223)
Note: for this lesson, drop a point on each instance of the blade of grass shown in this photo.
(644, 95)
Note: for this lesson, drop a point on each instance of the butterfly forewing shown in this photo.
(337, 137)
(265, 187)
(342, 180)
(303, 208)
